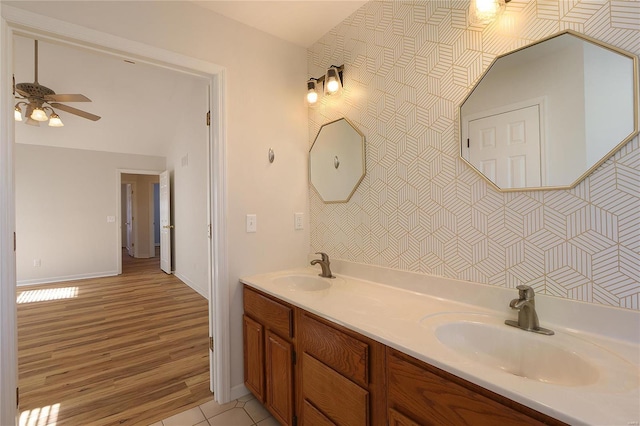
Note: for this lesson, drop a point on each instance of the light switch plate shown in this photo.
(111, 219)
(298, 220)
(252, 223)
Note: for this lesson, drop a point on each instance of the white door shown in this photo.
(129, 222)
(506, 147)
(165, 223)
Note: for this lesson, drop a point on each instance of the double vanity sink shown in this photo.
(575, 376)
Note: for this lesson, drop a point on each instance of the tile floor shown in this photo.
(245, 411)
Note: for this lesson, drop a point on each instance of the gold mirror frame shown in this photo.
(337, 161)
(596, 164)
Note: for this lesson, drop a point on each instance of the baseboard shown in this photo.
(48, 280)
(238, 391)
(187, 281)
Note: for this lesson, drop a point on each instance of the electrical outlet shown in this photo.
(37, 263)
(252, 223)
(298, 219)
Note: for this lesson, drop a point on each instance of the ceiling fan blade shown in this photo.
(22, 92)
(67, 98)
(76, 111)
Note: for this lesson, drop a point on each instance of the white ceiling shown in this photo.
(140, 104)
(302, 22)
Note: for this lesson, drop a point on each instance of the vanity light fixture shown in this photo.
(312, 92)
(333, 80)
(332, 83)
(483, 12)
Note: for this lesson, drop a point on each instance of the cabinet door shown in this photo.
(279, 373)
(253, 336)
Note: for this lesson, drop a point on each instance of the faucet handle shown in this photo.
(525, 292)
(324, 256)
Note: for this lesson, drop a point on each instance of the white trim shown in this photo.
(191, 284)
(37, 281)
(219, 281)
(23, 22)
(152, 216)
(239, 391)
(8, 322)
(119, 182)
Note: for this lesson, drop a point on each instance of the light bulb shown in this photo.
(17, 113)
(485, 11)
(55, 121)
(38, 114)
(333, 85)
(312, 97)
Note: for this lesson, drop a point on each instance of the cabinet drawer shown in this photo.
(312, 417)
(345, 354)
(272, 314)
(422, 392)
(337, 398)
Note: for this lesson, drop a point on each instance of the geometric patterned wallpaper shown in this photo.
(408, 65)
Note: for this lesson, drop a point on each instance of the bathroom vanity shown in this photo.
(347, 351)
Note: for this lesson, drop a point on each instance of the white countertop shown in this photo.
(392, 315)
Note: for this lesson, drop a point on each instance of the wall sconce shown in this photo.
(312, 91)
(484, 11)
(333, 80)
(37, 114)
(332, 83)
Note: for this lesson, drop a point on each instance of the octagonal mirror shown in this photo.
(336, 161)
(547, 115)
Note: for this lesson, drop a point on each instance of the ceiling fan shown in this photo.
(39, 99)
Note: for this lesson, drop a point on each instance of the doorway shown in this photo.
(218, 283)
(139, 214)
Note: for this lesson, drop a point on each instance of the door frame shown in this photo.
(119, 182)
(18, 21)
(152, 217)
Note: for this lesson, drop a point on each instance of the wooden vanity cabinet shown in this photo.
(268, 353)
(421, 394)
(342, 378)
(341, 375)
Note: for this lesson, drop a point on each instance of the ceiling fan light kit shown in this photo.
(38, 99)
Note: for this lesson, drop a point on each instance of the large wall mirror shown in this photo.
(545, 116)
(336, 161)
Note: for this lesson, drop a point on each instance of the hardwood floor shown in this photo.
(125, 350)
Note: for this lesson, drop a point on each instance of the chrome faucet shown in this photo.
(324, 264)
(526, 307)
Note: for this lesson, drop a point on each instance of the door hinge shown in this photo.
(468, 143)
(209, 231)
(208, 118)
(14, 241)
(211, 344)
(17, 397)
(294, 358)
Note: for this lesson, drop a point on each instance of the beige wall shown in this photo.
(63, 199)
(420, 208)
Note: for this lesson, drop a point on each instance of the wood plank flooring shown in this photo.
(125, 350)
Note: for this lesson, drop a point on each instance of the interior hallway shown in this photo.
(124, 350)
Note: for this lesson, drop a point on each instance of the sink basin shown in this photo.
(515, 352)
(561, 359)
(304, 282)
